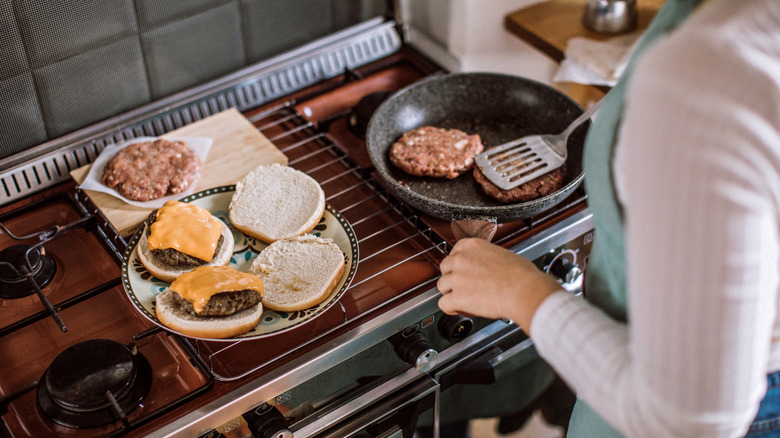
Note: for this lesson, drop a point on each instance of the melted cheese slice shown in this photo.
(186, 228)
(199, 285)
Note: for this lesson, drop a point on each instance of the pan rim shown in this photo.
(496, 213)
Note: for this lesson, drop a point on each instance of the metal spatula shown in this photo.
(519, 161)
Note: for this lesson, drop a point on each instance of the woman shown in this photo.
(679, 333)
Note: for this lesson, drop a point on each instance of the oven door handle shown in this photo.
(513, 359)
(490, 365)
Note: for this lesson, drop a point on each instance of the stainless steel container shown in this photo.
(610, 16)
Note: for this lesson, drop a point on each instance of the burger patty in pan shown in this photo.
(435, 152)
(536, 188)
(223, 303)
(172, 257)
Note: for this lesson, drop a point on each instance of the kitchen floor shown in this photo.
(536, 427)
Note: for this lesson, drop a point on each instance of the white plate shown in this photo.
(142, 288)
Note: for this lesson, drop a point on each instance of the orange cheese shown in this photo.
(199, 285)
(186, 228)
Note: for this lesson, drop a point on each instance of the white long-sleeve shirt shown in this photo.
(697, 171)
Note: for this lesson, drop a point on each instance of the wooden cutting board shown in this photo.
(238, 147)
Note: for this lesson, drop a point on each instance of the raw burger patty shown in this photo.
(436, 152)
(536, 188)
(150, 170)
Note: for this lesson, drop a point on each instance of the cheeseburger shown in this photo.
(180, 237)
(211, 302)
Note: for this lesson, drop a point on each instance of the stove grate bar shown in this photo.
(298, 160)
(291, 132)
(348, 170)
(389, 247)
(348, 189)
(276, 122)
(363, 201)
(381, 230)
(399, 263)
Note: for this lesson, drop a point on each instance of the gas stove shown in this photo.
(79, 359)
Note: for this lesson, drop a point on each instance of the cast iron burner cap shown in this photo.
(13, 284)
(357, 122)
(94, 383)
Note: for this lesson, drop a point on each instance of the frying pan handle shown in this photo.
(481, 228)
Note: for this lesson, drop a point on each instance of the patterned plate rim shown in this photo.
(349, 274)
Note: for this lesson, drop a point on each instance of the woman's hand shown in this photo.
(482, 279)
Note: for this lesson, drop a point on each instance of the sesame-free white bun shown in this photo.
(169, 273)
(176, 318)
(298, 272)
(274, 202)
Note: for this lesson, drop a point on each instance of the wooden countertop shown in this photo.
(549, 25)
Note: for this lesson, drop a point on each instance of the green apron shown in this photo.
(605, 280)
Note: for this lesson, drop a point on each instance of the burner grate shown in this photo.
(22, 267)
(29, 263)
(27, 269)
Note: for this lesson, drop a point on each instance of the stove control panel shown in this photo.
(567, 262)
(563, 255)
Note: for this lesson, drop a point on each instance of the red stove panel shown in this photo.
(81, 260)
(89, 300)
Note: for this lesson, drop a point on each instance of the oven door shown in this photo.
(493, 372)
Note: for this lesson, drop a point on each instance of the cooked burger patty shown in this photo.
(536, 188)
(170, 256)
(222, 304)
(152, 169)
(436, 152)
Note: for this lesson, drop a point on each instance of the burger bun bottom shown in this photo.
(205, 327)
(169, 273)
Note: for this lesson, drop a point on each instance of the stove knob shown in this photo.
(417, 350)
(266, 421)
(564, 267)
(455, 328)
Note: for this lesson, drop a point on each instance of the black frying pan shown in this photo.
(499, 108)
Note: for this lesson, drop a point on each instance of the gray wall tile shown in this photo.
(92, 86)
(274, 26)
(65, 64)
(56, 30)
(153, 13)
(21, 124)
(13, 60)
(193, 50)
(349, 12)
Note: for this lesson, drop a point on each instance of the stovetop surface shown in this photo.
(399, 254)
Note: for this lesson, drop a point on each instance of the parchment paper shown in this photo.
(94, 180)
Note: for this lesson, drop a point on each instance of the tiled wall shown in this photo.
(66, 64)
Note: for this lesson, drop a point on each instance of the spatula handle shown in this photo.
(582, 118)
